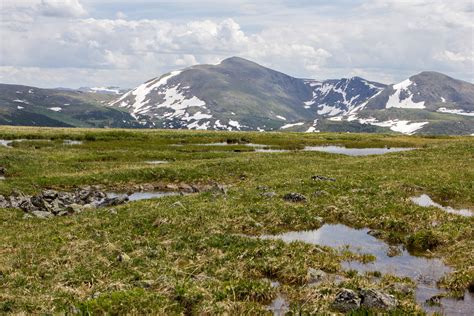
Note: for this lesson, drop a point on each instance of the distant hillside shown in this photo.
(30, 106)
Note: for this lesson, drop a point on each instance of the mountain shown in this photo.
(238, 94)
(24, 105)
(429, 102)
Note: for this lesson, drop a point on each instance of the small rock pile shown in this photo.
(51, 203)
(348, 300)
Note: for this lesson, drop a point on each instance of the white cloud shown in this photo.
(61, 8)
(381, 40)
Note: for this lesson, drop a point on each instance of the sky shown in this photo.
(75, 43)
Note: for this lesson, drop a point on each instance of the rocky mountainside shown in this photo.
(238, 94)
(30, 106)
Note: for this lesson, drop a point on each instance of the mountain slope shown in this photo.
(24, 105)
(428, 102)
(238, 94)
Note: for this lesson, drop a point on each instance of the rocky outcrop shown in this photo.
(348, 300)
(51, 203)
(294, 197)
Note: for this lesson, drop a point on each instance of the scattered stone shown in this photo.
(315, 275)
(470, 287)
(268, 194)
(394, 251)
(322, 178)
(375, 233)
(114, 201)
(377, 300)
(294, 197)
(346, 300)
(123, 257)
(186, 188)
(113, 211)
(3, 171)
(263, 188)
(434, 300)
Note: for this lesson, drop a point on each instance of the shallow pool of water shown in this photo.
(156, 162)
(425, 201)
(424, 271)
(137, 196)
(72, 142)
(355, 151)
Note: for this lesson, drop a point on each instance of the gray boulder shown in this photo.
(346, 300)
(294, 197)
(377, 300)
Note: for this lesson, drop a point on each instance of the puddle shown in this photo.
(155, 162)
(425, 201)
(8, 142)
(137, 196)
(424, 271)
(328, 149)
(72, 142)
(355, 151)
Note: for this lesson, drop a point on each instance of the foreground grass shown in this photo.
(162, 257)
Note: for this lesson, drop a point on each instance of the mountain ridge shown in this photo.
(238, 94)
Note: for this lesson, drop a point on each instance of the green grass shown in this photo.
(196, 259)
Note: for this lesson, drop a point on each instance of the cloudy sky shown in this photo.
(73, 43)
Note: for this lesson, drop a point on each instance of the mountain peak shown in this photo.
(238, 61)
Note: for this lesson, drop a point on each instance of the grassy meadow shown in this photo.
(193, 257)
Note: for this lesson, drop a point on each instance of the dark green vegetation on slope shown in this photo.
(192, 257)
(30, 106)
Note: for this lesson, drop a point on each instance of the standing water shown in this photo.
(424, 271)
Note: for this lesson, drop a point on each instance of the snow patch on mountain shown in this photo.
(455, 111)
(55, 109)
(291, 125)
(403, 97)
(340, 97)
(401, 126)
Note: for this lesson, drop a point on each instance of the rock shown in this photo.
(470, 287)
(27, 206)
(4, 203)
(294, 197)
(268, 194)
(346, 300)
(375, 299)
(315, 275)
(394, 251)
(375, 233)
(434, 300)
(74, 208)
(123, 257)
(186, 188)
(49, 195)
(3, 171)
(41, 214)
(172, 187)
(320, 193)
(322, 178)
(114, 201)
(263, 188)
